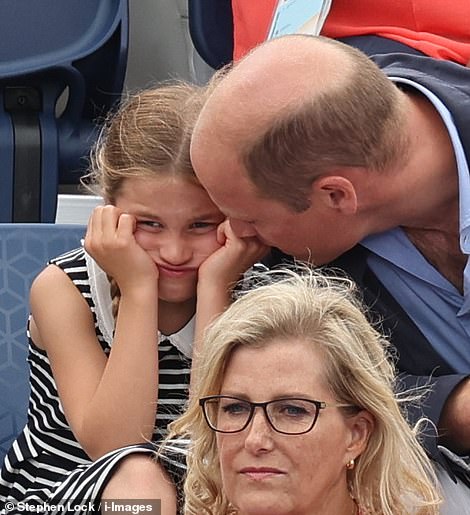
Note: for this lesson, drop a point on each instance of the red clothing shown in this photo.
(251, 20)
(438, 28)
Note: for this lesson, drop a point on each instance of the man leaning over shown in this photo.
(330, 157)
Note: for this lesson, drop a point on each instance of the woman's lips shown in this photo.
(260, 473)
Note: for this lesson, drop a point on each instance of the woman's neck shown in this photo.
(348, 507)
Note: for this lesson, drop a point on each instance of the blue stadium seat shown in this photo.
(62, 66)
(211, 30)
(24, 251)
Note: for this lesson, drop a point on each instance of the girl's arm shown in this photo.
(217, 276)
(109, 402)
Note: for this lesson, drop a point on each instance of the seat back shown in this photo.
(211, 30)
(24, 252)
(62, 66)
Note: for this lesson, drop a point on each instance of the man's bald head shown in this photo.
(276, 76)
(294, 107)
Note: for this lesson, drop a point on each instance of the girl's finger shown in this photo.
(222, 233)
(93, 227)
(109, 219)
(126, 225)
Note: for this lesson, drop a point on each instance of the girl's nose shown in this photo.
(175, 251)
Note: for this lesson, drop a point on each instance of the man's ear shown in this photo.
(361, 426)
(336, 192)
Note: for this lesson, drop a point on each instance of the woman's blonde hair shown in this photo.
(148, 135)
(393, 474)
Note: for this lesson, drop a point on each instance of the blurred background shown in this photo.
(160, 45)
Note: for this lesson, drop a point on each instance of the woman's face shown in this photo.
(268, 473)
(176, 223)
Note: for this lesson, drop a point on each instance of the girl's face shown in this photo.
(176, 223)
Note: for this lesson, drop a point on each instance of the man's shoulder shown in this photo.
(448, 81)
(425, 70)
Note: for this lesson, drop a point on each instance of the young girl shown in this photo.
(112, 324)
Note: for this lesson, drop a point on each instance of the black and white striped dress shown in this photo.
(46, 463)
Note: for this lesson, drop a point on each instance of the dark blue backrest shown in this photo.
(24, 252)
(211, 30)
(62, 66)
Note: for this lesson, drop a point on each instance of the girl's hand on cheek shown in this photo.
(110, 240)
(233, 258)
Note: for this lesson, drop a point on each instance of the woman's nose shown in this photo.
(259, 433)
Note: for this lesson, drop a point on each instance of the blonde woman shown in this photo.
(295, 412)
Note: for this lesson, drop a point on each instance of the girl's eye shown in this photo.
(203, 226)
(149, 225)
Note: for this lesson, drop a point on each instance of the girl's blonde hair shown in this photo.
(393, 476)
(148, 135)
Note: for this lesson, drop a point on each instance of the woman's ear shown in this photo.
(361, 427)
(336, 192)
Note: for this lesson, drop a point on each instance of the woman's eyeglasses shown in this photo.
(289, 416)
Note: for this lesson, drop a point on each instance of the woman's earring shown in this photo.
(350, 464)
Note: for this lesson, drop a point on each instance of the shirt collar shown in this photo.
(462, 165)
(182, 339)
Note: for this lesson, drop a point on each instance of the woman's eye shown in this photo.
(235, 408)
(292, 410)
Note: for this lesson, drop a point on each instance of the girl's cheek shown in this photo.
(210, 244)
(145, 239)
(204, 251)
(215, 246)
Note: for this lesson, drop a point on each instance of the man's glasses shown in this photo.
(289, 416)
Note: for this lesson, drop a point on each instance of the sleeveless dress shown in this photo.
(46, 464)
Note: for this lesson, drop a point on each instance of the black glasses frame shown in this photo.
(319, 405)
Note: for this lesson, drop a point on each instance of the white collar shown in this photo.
(183, 339)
